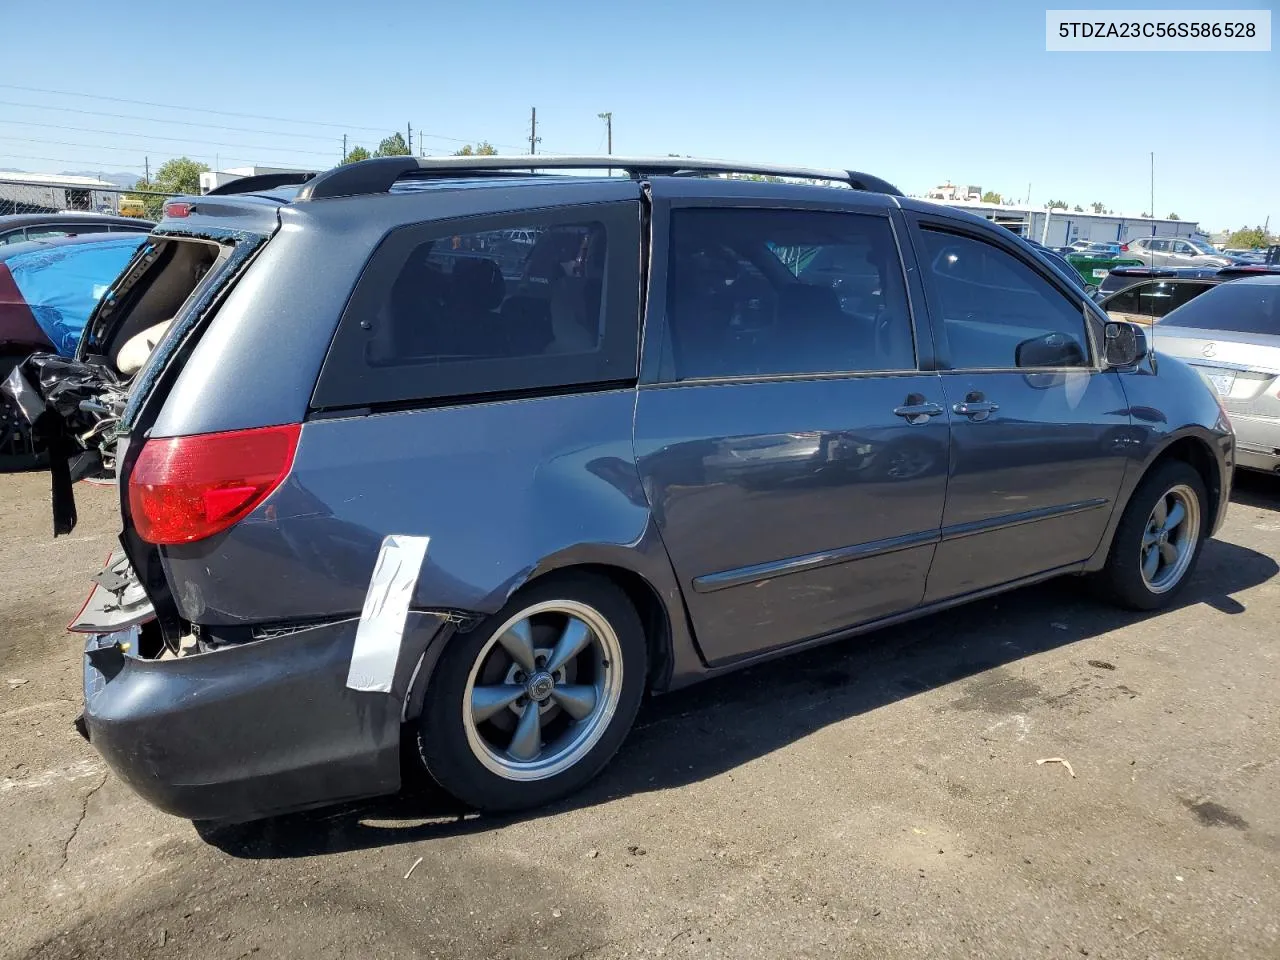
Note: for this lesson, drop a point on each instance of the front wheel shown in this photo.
(533, 703)
(1159, 538)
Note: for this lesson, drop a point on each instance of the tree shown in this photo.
(1173, 216)
(1145, 215)
(356, 154)
(1247, 238)
(1078, 209)
(1055, 204)
(392, 146)
(992, 197)
(482, 149)
(1098, 206)
(179, 175)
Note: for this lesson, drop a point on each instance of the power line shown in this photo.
(86, 163)
(182, 123)
(136, 150)
(187, 107)
(156, 136)
(211, 126)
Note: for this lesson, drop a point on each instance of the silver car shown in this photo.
(1175, 252)
(1231, 336)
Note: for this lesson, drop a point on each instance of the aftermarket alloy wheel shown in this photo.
(1159, 538)
(533, 703)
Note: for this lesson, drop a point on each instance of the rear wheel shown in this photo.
(1159, 539)
(533, 703)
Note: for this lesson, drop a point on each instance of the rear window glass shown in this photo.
(1233, 308)
(1155, 298)
(492, 305)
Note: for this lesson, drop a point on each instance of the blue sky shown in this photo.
(915, 91)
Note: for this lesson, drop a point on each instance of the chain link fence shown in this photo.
(77, 195)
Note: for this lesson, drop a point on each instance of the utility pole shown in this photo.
(410, 144)
(534, 139)
(146, 165)
(607, 117)
(344, 148)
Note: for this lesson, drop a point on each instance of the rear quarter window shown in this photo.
(529, 301)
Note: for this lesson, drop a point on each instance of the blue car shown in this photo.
(48, 288)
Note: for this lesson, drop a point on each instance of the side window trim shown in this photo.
(657, 368)
(1093, 316)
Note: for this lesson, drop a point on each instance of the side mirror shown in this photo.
(1126, 344)
(1091, 289)
(1051, 350)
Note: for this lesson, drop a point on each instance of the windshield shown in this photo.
(1202, 247)
(1232, 308)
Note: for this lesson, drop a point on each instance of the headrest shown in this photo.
(478, 282)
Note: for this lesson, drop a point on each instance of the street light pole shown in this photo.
(607, 117)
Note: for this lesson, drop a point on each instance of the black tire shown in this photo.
(443, 733)
(1121, 580)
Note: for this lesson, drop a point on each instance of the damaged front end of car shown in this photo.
(72, 409)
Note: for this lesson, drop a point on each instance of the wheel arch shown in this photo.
(657, 600)
(1193, 446)
(1197, 452)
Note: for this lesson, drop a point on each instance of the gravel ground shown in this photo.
(880, 798)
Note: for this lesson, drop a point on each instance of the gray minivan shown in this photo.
(391, 476)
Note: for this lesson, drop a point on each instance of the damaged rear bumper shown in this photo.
(250, 730)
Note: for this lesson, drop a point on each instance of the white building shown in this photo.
(216, 178)
(56, 192)
(1060, 227)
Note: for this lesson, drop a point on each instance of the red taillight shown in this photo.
(177, 209)
(188, 488)
(1124, 248)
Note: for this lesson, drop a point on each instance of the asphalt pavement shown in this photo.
(883, 797)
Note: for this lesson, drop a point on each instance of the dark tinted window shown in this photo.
(1115, 280)
(778, 292)
(997, 312)
(499, 304)
(1233, 307)
(1155, 298)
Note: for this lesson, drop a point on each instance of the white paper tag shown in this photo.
(386, 606)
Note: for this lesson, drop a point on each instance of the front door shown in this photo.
(1039, 430)
(793, 453)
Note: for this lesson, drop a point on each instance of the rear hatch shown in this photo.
(1244, 369)
(138, 341)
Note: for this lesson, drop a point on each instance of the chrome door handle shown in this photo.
(976, 409)
(917, 412)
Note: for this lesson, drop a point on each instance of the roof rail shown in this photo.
(262, 181)
(377, 175)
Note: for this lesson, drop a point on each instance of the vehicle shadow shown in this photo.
(716, 726)
(1256, 490)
